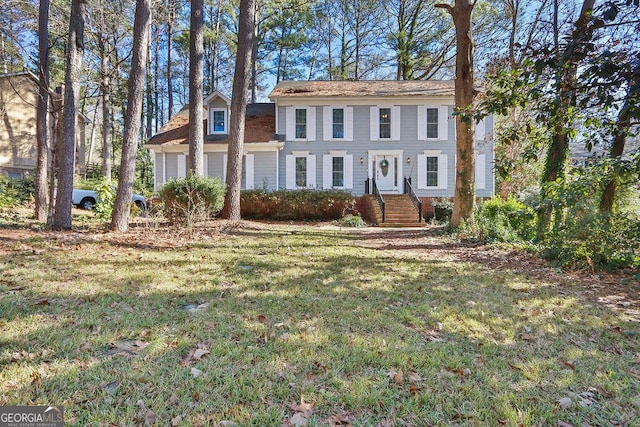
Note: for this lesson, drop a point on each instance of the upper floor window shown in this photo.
(338, 123)
(301, 123)
(385, 123)
(432, 123)
(218, 121)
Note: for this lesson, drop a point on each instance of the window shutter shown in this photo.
(422, 123)
(290, 164)
(348, 171)
(422, 171)
(480, 130)
(327, 123)
(327, 171)
(373, 124)
(480, 172)
(348, 124)
(290, 124)
(311, 171)
(311, 123)
(443, 123)
(395, 123)
(249, 172)
(182, 166)
(205, 165)
(443, 174)
(224, 168)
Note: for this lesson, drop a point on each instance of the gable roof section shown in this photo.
(362, 88)
(260, 124)
(217, 94)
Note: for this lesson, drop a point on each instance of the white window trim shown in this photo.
(481, 176)
(327, 123)
(290, 170)
(443, 170)
(443, 122)
(291, 123)
(226, 121)
(182, 166)
(327, 170)
(374, 123)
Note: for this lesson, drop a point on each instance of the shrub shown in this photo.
(506, 221)
(596, 240)
(192, 199)
(296, 205)
(106, 197)
(15, 192)
(351, 221)
(442, 210)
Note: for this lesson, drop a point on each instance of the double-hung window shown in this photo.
(301, 171)
(218, 121)
(301, 123)
(384, 122)
(432, 171)
(432, 123)
(337, 171)
(338, 123)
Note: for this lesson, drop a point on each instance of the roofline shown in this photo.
(218, 93)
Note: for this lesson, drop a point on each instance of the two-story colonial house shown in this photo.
(358, 136)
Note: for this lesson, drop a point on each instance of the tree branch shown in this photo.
(445, 6)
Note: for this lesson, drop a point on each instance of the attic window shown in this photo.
(218, 121)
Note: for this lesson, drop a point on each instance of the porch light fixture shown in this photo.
(361, 160)
(408, 160)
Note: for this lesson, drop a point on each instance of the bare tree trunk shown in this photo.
(464, 198)
(105, 88)
(156, 73)
(172, 17)
(238, 106)
(42, 113)
(132, 122)
(67, 154)
(92, 138)
(254, 56)
(149, 103)
(196, 53)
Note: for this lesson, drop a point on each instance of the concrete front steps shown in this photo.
(399, 211)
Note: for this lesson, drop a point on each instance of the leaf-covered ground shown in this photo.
(269, 325)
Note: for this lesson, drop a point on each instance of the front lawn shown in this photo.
(269, 325)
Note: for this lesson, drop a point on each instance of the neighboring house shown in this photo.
(338, 135)
(18, 145)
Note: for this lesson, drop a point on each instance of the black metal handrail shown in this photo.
(417, 202)
(372, 188)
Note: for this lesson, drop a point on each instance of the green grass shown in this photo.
(293, 312)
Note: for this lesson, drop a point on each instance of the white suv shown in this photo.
(87, 199)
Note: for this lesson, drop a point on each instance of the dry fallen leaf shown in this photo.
(414, 377)
(175, 421)
(397, 376)
(563, 424)
(195, 372)
(568, 365)
(305, 408)
(339, 420)
(298, 420)
(526, 336)
(195, 354)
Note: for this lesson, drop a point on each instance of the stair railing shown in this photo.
(417, 202)
(372, 188)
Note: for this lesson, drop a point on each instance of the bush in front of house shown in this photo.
(296, 205)
(192, 199)
(14, 192)
(506, 220)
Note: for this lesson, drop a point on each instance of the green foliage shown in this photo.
(106, 197)
(350, 220)
(298, 205)
(442, 210)
(15, 192)
(596, 240)
(506, 221)
(192, 199)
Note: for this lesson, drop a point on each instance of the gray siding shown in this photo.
(215, 164)
(159, 171)
(265, 170)
(409, 144)
(171, 162)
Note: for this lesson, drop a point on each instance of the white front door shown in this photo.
(386, 172)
